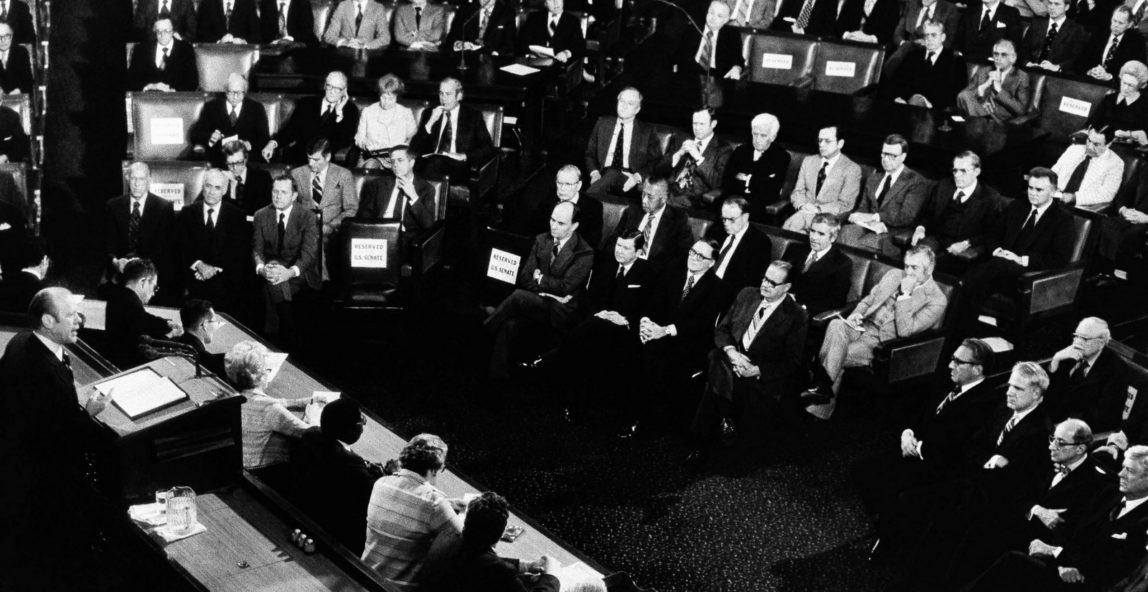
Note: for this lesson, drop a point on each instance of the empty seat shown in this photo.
(161, 122)
(216, 61)
(846, 68)
(1066, 104)
(781, 59)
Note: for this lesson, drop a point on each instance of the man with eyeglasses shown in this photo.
(165, 64)
(138, 225)
(212, 246)
(622, 150)
(828, 182)
(1000, 92)
(227, 21)
(959, 211)
(333, 116)
(287, 22)
(666, 229)
(1107, 53)
(248, 188)
(891, 202)
(931, 73)
(126, 318)
(1090, 381)
(1090, 174)
(181, 13)
(232, 117)
(568, 187)
(759, 342)
(199, 325)
(744, 250)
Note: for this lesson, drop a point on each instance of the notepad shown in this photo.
(141, 392)
(518, 69)
(579, 574)
(275, 361)
(319, 400)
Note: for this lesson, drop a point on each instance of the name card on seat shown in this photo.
(777, 61)
(842, 69)
(503, 266)
(172, 192)
(369, 253)
(166, 131)
(1075, 106)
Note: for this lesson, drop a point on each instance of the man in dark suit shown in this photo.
(667, 229)
(1053, 42)
(139, 225)
(166, 64)
(15, 64)
(697, 164)
(227, 21)
(1089, 381)
(18, 16)
(287, 21)
(1028, 236)
(25, 264)
(807, 17)
(14, 146)
(675, 333)
(451, 137)
(959, 212)
(335, 481)
(127, 320)
(717, 50)
(1105, 54)
(199, 324)
(286, 251)
(488, 26)
(248, 188)
(744, 250)
(551, 287)
(853, 23)
(931, 74)
(608, 339)
(1105, 547)
(181, 13)
(45, 433)
(1093, 15)
(211, 246)
(333, 116)
(232, 117)
(568, 187)
(559, 32)
(911, 27)
(757, 170)
(983, 25)
(760, 343)
(405, 196)
(1121, 233)
(622, 150)
(891, 201)
(822, 273)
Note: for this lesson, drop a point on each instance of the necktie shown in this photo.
(986, 21)
(447, 134)
(1139, 14)
(282, 229)
(724, 251)
(234, 117)
(67, 361)
(646, 238)
(1026, 229)
(959, 197)
(358, 20)
(741, 14)
(418, 18)
(1119, 510)
(1008, 426)
(134, 228)
(4, 11)
(809, 261)
(163, 60)
(948, 399)
(1108, 57)
(483, 21)
(821, 176)
(329, 111)
(803, 16)
(554, 254)
(210, 219)
(227, 16)
(283, 20)
(1048, 40)
(239, 191)
(316, 190)
(689, 286)
(924, 16)
(619, 159)
(754, 327)
(884, 188)
(929, 56)
(164, 12)
(1061, 472)
(1080, 371)
(621, 273)
(553, 26)
(706, 51)
(1077, 176)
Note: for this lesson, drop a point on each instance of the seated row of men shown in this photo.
(972, 481)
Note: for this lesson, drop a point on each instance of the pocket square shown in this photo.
(632, 286)
(1120, 536)
(1001, 25)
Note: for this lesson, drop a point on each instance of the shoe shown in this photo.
(815, 396)
(571, 416)
(728, 432)
(629, 432)
(696, 461)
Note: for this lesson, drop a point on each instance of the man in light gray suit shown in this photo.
(359, 24)
(891, 202)
(327, 188)
(284, 247)
(827, 183)
(419, 26)
(753, 13)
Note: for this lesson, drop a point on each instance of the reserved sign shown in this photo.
(842, 69)
(777, 61)
(503, 266)
(1075, 106)
(369, 253)
(172, 192)
(166, 131)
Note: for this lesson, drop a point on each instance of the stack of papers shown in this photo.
(141, 392)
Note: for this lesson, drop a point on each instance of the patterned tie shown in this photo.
(1008, 426)
(741, 14)
(619, 159)
(689, 286)
(821, 176)
(163, 60)
(646, 238)
(358, 19)
(1077, 175)
(1048, 40)
(447, 135)
(283, 20)
(210, 219)
(233, 117)
(809, 261)
(884, 188)
(948, 399)
(1111, 55)
(227, 16)
(282, 230)
(134, 228)
(483, 21)
(706, 51)
(316, 190)
(754, 327)
(164, 12)
(803, 17)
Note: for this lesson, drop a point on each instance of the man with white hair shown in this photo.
(333, 116)
(232, 117)
(757, 170)
(622, 150)
(1089, 381)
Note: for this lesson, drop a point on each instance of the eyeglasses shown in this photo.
(697, 254)
(565, 184)
(1053, 440)
(731, 218)
(235, 163)
(772, 284)
(961, 171)
(1084, 337)
(958, 361)
(1002, 54)
(333, 87)
(236, 93)
(889, 155)
(157, 32)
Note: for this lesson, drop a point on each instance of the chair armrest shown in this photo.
(865, 90)
(426, 249)
(484, 178)
(822, 319)
(779, 207)
(803, 82)
(341, 155)
(906, 358)
(1041, 291)
(711, 196)
(1025, 119)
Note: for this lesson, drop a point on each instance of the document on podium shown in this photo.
(141, 392)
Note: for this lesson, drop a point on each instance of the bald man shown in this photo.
(233, 116)
(333, 116)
